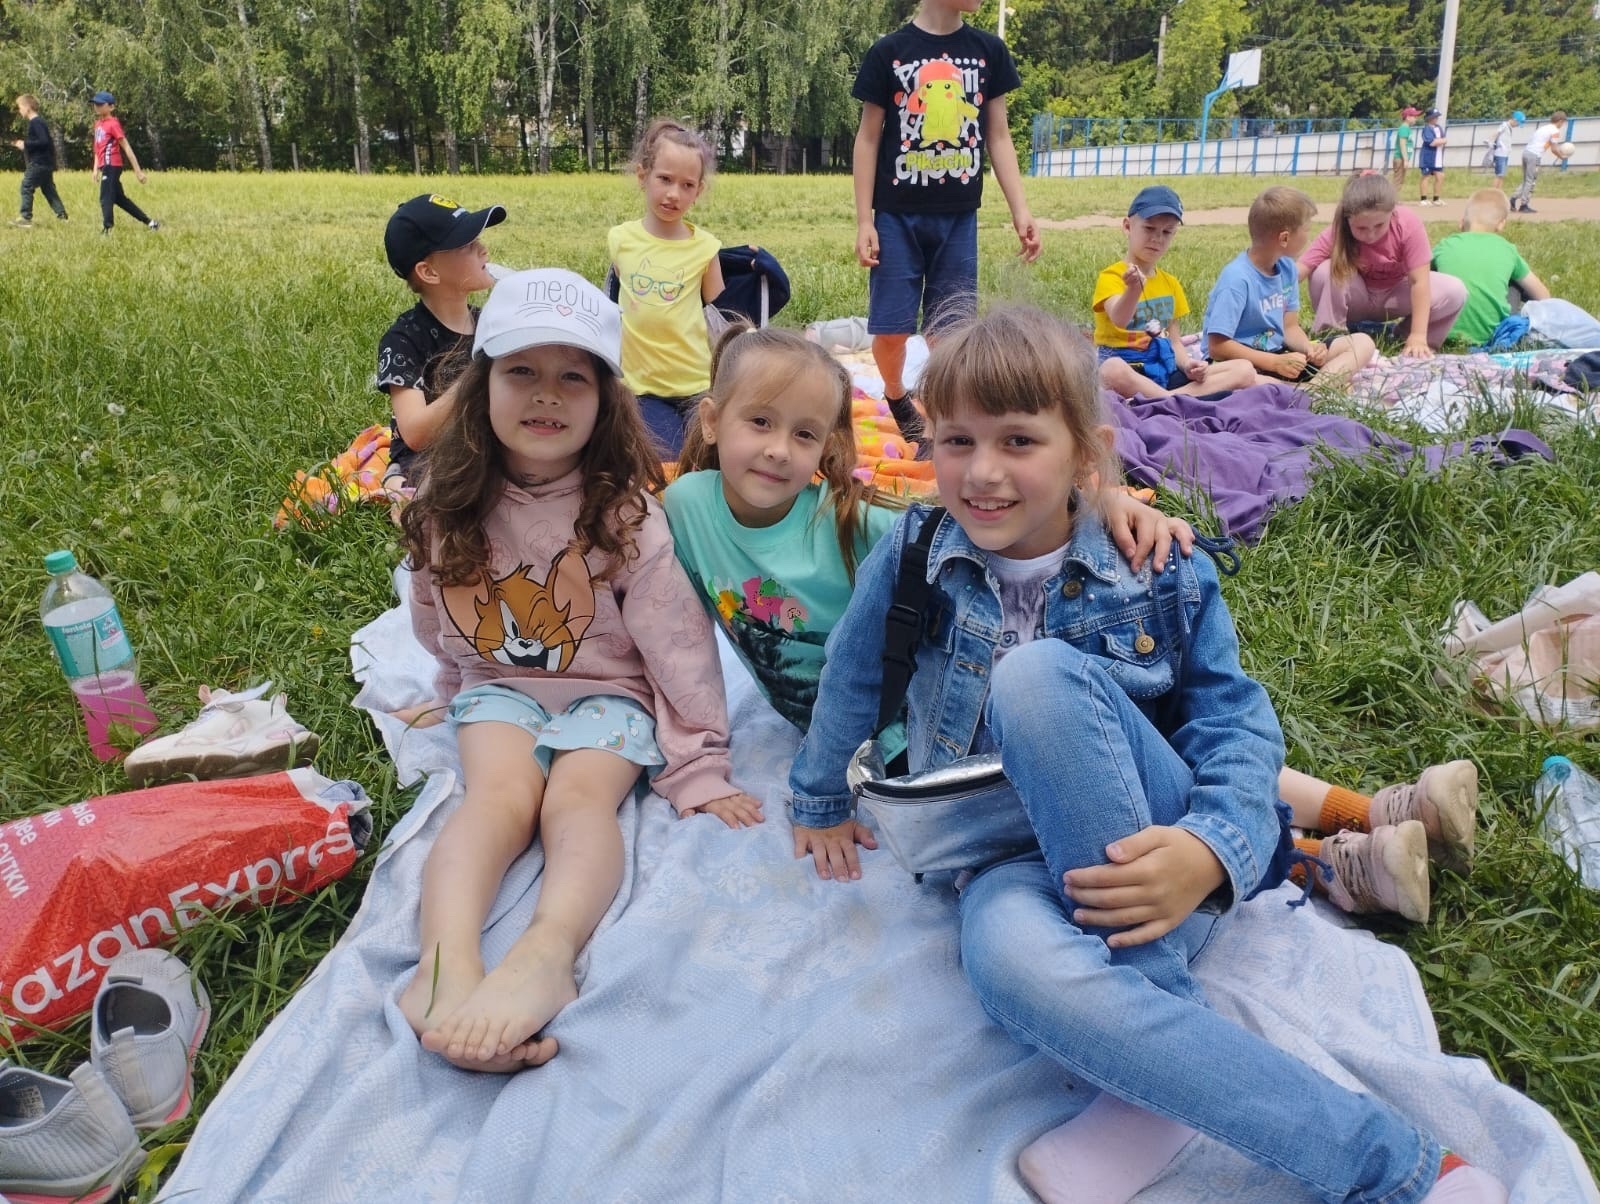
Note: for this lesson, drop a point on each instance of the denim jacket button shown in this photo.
(1071, 589)
(1144, 645)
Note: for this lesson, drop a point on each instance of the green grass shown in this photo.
(239, 342)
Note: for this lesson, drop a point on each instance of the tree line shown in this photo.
(541, 85)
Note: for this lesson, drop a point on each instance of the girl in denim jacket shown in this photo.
(1147, 762)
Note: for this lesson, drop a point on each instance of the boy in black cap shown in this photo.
(1136, 312)
(433, 245)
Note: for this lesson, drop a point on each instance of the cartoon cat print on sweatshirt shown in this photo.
(525, 621)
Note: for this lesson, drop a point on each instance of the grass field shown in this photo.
(237, 345)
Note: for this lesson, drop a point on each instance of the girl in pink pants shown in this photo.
(1372, 264)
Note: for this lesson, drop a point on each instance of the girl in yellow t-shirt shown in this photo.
(667, 268)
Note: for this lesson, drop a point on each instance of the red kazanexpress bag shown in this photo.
(81, 884)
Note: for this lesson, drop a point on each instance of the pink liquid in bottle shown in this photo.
(115, 712)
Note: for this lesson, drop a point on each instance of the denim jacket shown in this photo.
(1189, 684)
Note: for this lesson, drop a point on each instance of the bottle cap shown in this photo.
(1556, 762)
(60, 562)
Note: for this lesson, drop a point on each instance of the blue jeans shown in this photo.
(668, 420)
(35, 176)
(1090, 769)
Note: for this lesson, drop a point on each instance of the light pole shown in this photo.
(1000, 27)
(1447, 56)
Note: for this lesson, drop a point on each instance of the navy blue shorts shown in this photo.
(926, 262)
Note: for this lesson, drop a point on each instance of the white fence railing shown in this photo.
(1334, 152)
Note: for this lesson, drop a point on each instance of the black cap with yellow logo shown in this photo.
(430, 223)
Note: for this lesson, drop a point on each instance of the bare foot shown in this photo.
(500, 1021)
(428, 999)
(426, 1004)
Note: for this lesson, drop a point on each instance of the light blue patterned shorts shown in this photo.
(618, 725)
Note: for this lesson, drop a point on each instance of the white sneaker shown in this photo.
(234, 736)
(150, 1014)
(63, 1140)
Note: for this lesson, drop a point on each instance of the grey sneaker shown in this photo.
(22, 223)
(149, 1017)
(1445, 799)
(63, 1140)
(233, 736)
(1382, 870)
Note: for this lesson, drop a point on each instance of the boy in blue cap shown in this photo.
(111, 154)
(434, 245)
(1430, 159)
(1137, 307)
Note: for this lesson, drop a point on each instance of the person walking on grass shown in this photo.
(39, 170)
(111, 154)
(933, 109)
(1548, 137)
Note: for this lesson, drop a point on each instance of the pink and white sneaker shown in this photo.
(234, 736)
(1445, 799)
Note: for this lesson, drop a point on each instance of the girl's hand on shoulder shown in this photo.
(1157, 877)
(424, 714)
(736, 810)
(834, 849)
(1139, 531)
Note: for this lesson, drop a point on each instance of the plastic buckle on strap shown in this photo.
(907, 620)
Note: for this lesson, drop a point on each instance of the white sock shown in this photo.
(1107, 1154)
(1467, 1185)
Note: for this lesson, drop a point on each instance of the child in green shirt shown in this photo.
(1403, 137)
(1488, 265)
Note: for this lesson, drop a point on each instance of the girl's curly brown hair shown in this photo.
(466, 475)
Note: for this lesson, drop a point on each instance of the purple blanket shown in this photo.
(1255, 450)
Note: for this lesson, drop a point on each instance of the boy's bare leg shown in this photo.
(1349, 353)
(889, 353)
(492, 826)
(500, 1021)
(1120, 377)
(1224, 376)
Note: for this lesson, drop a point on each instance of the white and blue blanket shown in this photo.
(747, 1032)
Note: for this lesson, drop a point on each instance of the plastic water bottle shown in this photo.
(92, 648)
(1570, 803)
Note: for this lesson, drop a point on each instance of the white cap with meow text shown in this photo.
(549, 306)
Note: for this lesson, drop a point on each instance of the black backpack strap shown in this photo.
(902, 628)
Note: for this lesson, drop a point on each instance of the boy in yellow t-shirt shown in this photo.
(1137, 307)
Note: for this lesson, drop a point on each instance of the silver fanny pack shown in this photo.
(960, 816)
